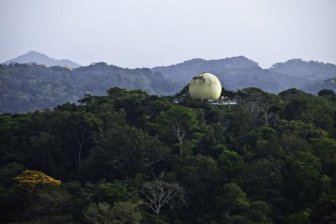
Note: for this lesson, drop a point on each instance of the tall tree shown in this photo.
(177, 124)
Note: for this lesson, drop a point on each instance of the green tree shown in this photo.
(113, 193)
(301, 217)
(120, 213)
(121, 152)
(177, 124)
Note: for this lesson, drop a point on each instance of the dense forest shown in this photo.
(130, 157)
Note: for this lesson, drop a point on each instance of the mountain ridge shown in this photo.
(29, 87)
(26, 87)
(240, 72)
(42, 59)
(313, 71)
(319, 85)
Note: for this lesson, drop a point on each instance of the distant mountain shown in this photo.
(186, 70)
(42, 59)
(317, 86)
(241, 72)
(234, 73)
(308, 71)
(28, 87)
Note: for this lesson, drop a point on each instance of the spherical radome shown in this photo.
(205, 86)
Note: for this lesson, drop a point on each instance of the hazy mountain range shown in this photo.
(27, 87)
(240, 72)
(42, 59)
(45, 82)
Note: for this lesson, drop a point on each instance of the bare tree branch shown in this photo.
(160, 193)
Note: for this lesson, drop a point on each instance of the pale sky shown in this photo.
(147, 33)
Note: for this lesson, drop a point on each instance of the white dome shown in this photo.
(205, 86)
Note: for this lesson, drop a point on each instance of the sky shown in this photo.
(147, 33)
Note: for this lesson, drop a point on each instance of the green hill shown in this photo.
(29, 87)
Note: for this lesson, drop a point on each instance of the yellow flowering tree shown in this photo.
(33, 179)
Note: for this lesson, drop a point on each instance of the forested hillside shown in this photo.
(131, 157)
(29, 87)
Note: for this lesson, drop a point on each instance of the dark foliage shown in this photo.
(269, 159)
